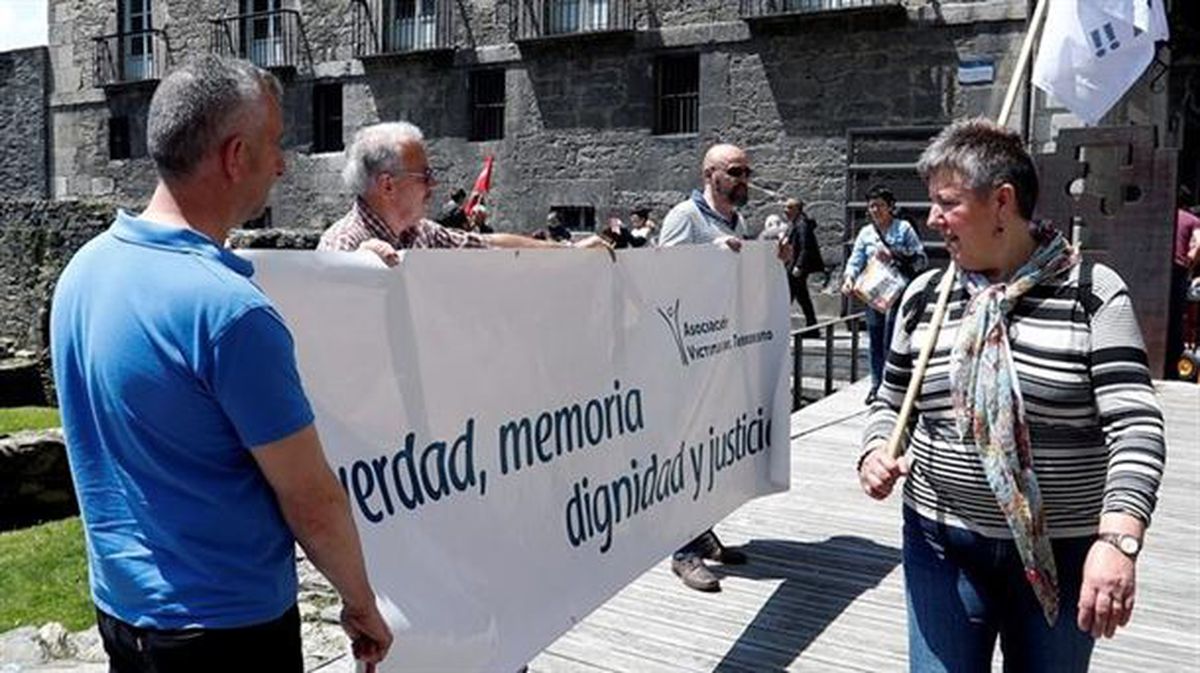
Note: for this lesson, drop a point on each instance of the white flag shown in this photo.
(1092, 51)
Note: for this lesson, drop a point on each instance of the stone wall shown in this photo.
(23, 142)
(37, 238)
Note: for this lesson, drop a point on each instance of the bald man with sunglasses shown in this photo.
(710, 217)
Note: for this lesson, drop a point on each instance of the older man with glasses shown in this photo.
(710, 217)
(387, 168)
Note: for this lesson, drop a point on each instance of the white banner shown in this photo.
(1092, 51)
(523, 433)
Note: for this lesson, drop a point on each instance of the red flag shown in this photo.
(483, 184)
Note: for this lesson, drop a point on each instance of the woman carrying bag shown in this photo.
(885, 256)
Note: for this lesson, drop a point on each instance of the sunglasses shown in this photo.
(738, 172)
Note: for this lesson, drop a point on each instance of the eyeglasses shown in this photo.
(425, 176)
(738, 172)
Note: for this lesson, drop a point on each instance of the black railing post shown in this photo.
(829, 358)
(797, 370)
(853, 351)
(830, 333)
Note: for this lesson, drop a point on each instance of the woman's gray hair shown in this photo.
(198, 105)
(984, 155)
(375, 150)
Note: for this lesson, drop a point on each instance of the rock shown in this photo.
(35, 479)
(55, 642)
(88, 646)
(322, 643)
(20, 381)
(275, 239)
(21, 646)
(332, 614)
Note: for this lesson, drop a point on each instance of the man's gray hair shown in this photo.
(198, 105)
(375, 150)
(984, 155)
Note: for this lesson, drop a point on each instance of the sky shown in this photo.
(22, 23)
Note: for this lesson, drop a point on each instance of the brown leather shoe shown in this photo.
(695, 574)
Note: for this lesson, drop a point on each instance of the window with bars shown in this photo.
(573, 16)
(677, 89)
(576, 218)
(137, 48)
(486, 93)
(327, 117)
(412, 25)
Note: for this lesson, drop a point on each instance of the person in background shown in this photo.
(804, 256)
(1185, 260)
(616, 233)
(895, 242)
(191, 441)
(710, 217)
(452, 214)
(555, 228)
(477, 221)
(1037, 445)
(643, 228)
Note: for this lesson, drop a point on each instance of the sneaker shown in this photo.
(870, 398)
(713, 550)
(691, 569)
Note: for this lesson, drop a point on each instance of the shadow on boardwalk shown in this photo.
(814, 579)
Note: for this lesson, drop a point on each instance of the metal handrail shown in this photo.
(111, 65)
(364, 36)
(376, 33)
(828, 328)
(762, 8)
(550, 19)
(228, 37)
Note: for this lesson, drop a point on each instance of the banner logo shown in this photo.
(671, 315)
(706, 337)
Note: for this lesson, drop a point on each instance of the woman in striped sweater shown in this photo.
(1036, 449)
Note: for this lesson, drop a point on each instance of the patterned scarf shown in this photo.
(987, 399)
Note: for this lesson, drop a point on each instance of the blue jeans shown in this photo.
(965, 589)
(879, 331)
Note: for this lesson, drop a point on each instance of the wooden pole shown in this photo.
(1014, 81)
(896, 439)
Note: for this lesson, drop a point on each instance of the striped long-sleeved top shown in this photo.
(1095, 424)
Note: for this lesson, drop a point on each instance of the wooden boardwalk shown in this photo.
(824, 590)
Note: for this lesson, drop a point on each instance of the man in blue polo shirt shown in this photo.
(191, 442)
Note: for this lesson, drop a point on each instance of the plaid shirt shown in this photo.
(362, 223)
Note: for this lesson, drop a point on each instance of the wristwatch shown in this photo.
(1129, 545)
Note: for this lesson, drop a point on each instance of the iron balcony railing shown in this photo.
(751, 9)
(834, 358)
(123, 58)
(542, 19)
(273, 39)
(384, 27)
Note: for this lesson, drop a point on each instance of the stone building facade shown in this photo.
(591, 106)
(24, 165)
